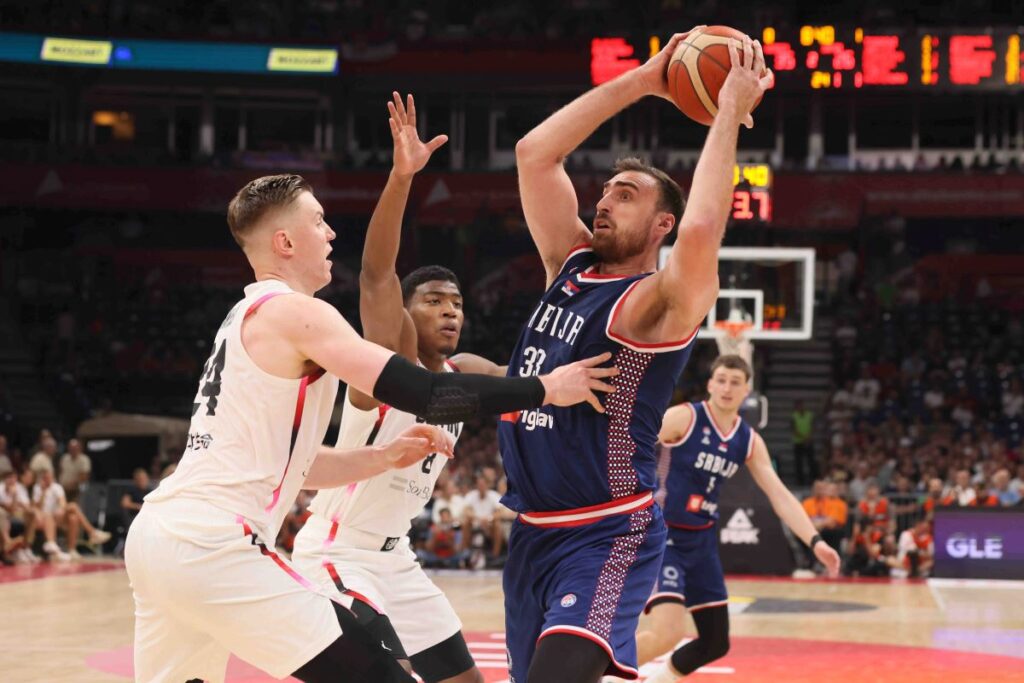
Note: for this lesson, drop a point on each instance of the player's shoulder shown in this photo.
(578, 257)
(294, 313)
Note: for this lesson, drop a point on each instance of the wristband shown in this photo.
(816, 538)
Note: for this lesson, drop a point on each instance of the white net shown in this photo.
(731, 337)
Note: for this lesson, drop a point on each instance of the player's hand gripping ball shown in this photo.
(698, 69)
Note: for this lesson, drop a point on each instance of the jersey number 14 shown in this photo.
(211, 380)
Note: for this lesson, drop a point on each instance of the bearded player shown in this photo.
(587, 544)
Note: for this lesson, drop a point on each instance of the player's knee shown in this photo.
(717, 647)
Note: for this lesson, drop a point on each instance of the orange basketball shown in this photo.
(699, 67)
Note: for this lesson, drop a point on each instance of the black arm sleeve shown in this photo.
(449, 397)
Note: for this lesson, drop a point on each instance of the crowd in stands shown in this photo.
(927, 410)
(40, 498)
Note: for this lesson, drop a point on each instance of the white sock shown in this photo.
(664, 674)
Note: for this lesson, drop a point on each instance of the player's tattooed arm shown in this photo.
(381, 309)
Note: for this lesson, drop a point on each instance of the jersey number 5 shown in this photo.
(211, 374)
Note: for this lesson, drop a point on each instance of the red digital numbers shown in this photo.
(970, 59)
(880, 57)
(783, 57)
(610, 57)
(843, 58)
(746, 202)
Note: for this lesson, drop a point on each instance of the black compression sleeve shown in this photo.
(449, 397)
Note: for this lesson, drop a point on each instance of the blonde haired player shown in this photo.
(357, 540)
(205, 581)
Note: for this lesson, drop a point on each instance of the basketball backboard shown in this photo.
(770, 287)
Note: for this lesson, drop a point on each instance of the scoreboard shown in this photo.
(751, 193)
(824, 57)
(830, 58)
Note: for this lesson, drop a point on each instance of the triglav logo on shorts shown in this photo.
(569, 600)
(740, 529)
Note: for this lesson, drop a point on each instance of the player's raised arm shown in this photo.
(549, 200)
(381, 310)
(688, 284)
(787, 507)
(315, 330)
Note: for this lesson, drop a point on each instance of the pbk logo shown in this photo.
(569, 600)
(694, 503)
(740, 529)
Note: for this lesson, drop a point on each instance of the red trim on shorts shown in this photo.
(642, 346)
(663, 598)
(267, 552)
(615, 668)
(592, 513)
(336, 577)
(687, 527)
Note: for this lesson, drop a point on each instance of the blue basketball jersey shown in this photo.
(563, 458)
(692, 474)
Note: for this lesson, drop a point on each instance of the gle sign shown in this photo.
(960, 546)
(979, 543)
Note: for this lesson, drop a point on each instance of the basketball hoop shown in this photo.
(736, 329)
(731, 336)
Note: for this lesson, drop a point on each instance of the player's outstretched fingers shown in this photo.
(604, 372)
(734, 53)
(598, 385)
(436, 143)
(403, 116)
(595, 360)
(748, 54)
(758, 58)
(768, 80)
(595, 402)
(411, 109)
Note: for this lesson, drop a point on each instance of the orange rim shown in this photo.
(733, 329)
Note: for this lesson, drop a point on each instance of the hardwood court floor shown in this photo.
(75, 624)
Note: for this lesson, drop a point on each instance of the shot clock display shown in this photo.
(831, 57)
(752, 193)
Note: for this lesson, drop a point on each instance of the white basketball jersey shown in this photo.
(387, 503)
(253, 435)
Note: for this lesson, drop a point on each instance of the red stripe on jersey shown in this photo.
(642, 346)
(300, 402)
(259, 302)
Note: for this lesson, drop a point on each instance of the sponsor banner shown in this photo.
(750, 535)
(802, 200)
(76, 51)
(305, 60)
(979, 543)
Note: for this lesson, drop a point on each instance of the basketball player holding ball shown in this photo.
(587, 545)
